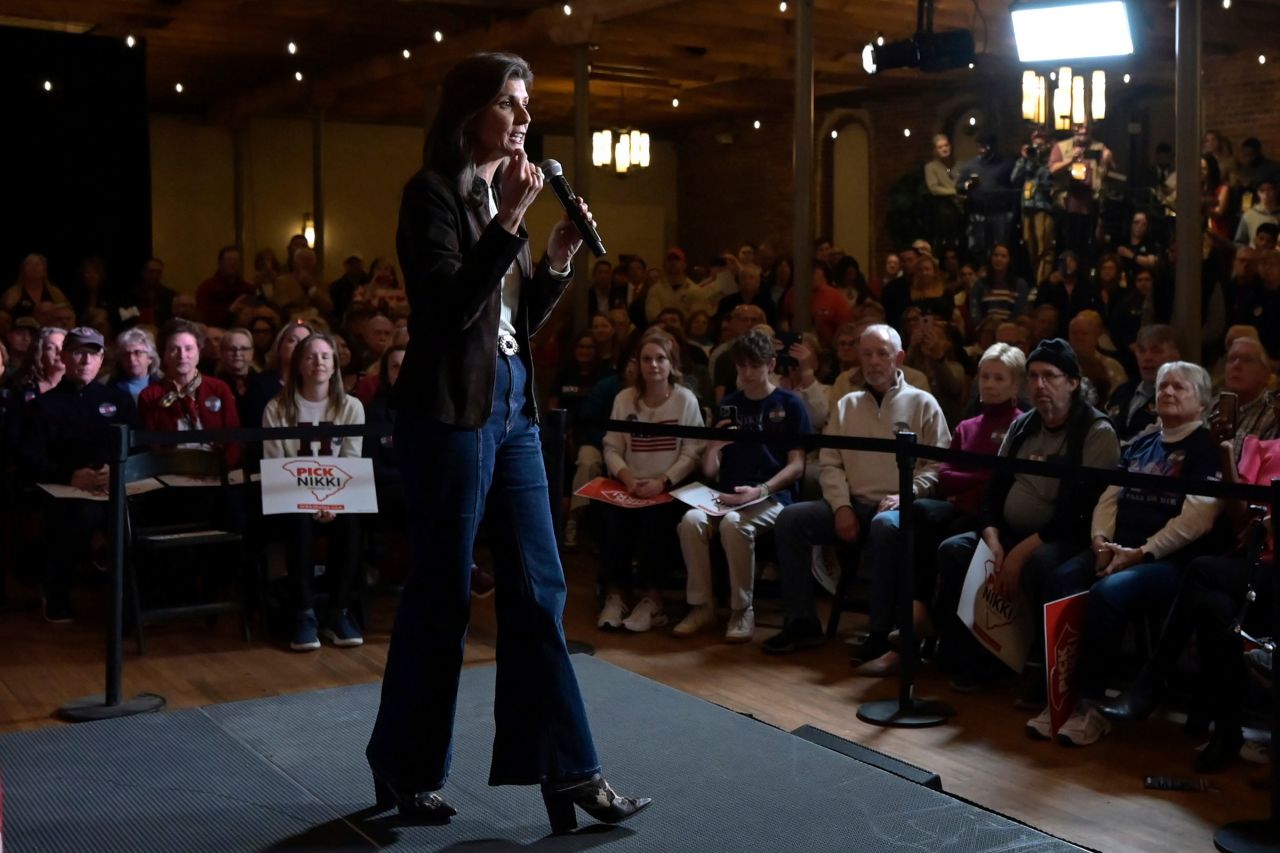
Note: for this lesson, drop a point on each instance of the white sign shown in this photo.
(707, 499)
(337, 484)
(1000, 625)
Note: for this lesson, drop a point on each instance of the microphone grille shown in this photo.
(551, 168)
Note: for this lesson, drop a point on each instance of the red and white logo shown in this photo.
(322, 479)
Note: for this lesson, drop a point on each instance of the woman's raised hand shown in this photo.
(521, 183)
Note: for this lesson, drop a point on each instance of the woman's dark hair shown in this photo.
(1215, 171)
(844, 266)
(826, 270)
(468, 88)
(384, 383)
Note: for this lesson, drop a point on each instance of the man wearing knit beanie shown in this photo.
(1032, 524)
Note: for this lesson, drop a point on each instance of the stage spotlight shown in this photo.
(927, 51)
(1052, 30)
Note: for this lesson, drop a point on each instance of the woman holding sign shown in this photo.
(313, 393)
(466, 435)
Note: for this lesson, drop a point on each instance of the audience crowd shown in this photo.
(1048, 341)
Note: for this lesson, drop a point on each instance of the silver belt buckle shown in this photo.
(507, 344)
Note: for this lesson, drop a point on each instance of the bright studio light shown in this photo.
(1050, 31)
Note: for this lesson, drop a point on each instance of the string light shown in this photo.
(675, 103)
(177, 87)
(297, 75)
(438, 36)
(568, 10)
(756, 124)
(130, 40)
(970, 66)
(782, 7)
(1126, 78)
(973, 121)
(1262, 59)
(879, 39)
(405, 53)
(906, 131)
(48, 85)
(1226, 4)
(292, 48)
(835, 134)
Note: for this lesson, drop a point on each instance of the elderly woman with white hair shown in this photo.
(137, 362)
(1142, 541)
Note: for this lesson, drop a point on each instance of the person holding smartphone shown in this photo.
(758, 480)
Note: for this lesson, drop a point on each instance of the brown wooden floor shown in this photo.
(1092, 796)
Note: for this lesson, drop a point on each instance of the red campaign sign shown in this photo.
(1063, 620)
(614, 493)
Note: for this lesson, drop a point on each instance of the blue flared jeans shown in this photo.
(450, 476)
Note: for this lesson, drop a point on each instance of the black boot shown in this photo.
(1137, 702)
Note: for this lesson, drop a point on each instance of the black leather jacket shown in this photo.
(454, 260)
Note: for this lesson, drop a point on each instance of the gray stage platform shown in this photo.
(288, 773)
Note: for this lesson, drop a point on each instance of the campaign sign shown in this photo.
(337, 484)
(613, 492)
(1000, 625)
(1062, 623)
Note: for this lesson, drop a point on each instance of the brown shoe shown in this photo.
(881, 667)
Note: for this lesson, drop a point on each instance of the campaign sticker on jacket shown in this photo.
(777, 414)
(107, 410)
(213, 404)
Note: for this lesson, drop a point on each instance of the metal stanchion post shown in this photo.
(108, 705)
(1262, 836)
(907, 711)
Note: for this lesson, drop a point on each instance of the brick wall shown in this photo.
(1239, 98)
(737, 190)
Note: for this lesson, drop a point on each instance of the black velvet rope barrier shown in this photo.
(1056, 470)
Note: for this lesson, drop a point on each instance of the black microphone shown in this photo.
(554, 173)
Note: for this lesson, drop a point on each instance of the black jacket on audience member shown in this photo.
(1083, 297)
(67, 428)
(1129, 425)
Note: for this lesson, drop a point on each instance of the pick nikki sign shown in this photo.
(324, 480)
(318, 484)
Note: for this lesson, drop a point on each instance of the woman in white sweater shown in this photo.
(313, 394)
(647, 466)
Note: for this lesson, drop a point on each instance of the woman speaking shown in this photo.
(467, 438)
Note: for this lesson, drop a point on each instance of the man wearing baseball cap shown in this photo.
(66, 441)
(1031, 524)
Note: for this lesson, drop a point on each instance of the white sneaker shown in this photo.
(742, 626)
(645, 615)
(1040, 727)
(571, 533)
(825, 568)
(612, 612)
(1085, 726)
(700, 617)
